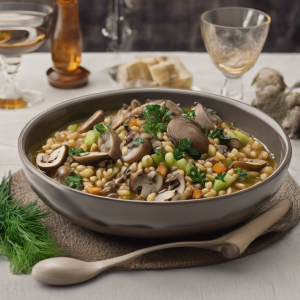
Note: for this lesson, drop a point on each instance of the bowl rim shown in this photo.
(37, 172)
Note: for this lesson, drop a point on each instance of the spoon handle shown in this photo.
(246, 234)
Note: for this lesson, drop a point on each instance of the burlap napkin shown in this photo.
(87, 245)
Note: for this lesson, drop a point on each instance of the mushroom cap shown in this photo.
(233, 143)
(54, 160)
(117, 121)
(62, 173)
(203, 119)
(135, 154)
(215, 118)
(251, 165)
(146, 184)
(180, 183)
(96, 118)
(90, 158)
(110, 143)
(182, 127)
(168, 196)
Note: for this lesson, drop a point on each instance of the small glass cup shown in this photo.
(234, 38)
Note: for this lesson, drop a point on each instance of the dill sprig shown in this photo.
(24, 239)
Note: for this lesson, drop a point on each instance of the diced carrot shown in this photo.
(163, 170)
(218, 168)
(93, 190)
(133, 123)
(197, 194)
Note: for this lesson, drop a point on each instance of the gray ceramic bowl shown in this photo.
(152, 219)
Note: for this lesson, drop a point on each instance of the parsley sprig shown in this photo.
(74, 182)
(211, 111)
(75, 152)
(137, 141)
(156, 116)
(184, 147)
(197, 176)
(189, 114)
(216, 133)
(102, 129)
(221, 177)
(242, 174)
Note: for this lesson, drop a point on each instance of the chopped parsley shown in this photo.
(75, 152)
(189, 114)
(184, 147)
(102, 129)
(127, 127)
(137, 141)
(242, 174)
(221, 177)
(197, 176)
(216, 133)
(160, 153)
(210, 111)
(156, 116)
(232, 124)
(74, 182)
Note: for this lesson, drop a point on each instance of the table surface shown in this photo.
(272, 273)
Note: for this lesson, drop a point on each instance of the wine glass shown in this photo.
(24, 27)
(234, 38)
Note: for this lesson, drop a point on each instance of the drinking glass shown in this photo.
(234, 38)
(24, 27)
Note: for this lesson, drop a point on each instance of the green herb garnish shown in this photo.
(75, 152)
(74, 182)
(221, 177)
(127, 127)
(184, 147)
(232, 124)
(242, 174)
(211, 111)
(24, 239)
(137, 141)
(189, 114)
(160, 152)
(197, 176)
(102, 129)
(216, 133)
(156, 116)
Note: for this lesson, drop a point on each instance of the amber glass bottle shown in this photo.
(67, 37)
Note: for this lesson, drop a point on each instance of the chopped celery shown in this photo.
(219, 185)
(73, 127)
(181, 164)
(230, 133)
(188, 168)
(227, 162)
(91, 138)
(211, 152)
(229, 180)
(115, 171)
(158, 158)
(210, 177)
(242, 137)
(169, 158)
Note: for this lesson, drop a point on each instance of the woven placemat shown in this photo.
(87, 245)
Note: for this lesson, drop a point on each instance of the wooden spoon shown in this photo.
(66, 271)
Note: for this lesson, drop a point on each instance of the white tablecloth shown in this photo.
(273, 273)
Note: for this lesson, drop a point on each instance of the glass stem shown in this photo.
(10, 66)
(233, 88)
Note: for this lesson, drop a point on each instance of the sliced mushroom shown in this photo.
(145, 135)
(223, 149)
(90, 158)
(233, 143)
(135, 154)
(107, 163)
(213, 160)
(62, 173)
(135, 103)
(110, 143)
(156, 145)
(117, 121)
(182, 127)
(203, 119)
(123, 175)
(175, 189)
(215, 118)
(251, 165)
(112, 195)
(168, 196)
(131, 135)
(146, 184)
(96, 118)
(54, 160)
